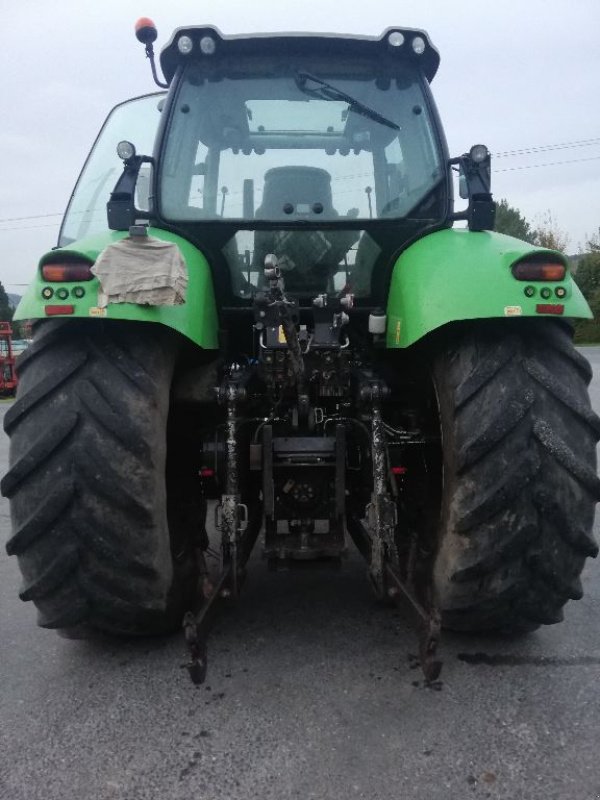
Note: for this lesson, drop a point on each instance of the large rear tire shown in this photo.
(520, 484)
(87, 478)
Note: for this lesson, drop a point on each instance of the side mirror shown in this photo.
(478, 170)
(120, 209)
(474, 185)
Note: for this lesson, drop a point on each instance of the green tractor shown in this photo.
(260, 298)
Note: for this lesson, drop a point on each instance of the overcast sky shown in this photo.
(514, 75)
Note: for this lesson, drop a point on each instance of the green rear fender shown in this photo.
(459, 274)
(196, 318)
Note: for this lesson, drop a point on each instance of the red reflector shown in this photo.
(59, 273)
(206, 472)
(399, 470)
(52, 311)
(550, 308)
(539, 271)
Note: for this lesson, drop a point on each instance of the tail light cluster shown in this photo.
(540, 268)
(64, 272)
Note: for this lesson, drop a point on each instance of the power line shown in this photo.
(545, 147)
(35, 216)
(548, 164)
(30, 227)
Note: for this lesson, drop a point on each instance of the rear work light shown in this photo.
(71, 271)
(539, 271)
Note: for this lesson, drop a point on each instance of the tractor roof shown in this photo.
(208, 42)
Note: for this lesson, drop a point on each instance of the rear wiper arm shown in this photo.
(328, 92)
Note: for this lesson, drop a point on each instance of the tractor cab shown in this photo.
(313, 148)
(325, 151)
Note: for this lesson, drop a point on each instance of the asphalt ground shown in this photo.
(310, 695)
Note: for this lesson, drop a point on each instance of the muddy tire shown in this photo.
(87, 478)
(520, 483)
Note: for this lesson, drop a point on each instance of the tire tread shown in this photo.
(520, 476)
(87, 476)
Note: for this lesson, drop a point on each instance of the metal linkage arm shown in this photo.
(377, 542)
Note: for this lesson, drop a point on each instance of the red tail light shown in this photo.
(52, 311)
(550, 308)
(73, 271)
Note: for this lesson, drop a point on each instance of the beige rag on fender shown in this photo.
(142, 270)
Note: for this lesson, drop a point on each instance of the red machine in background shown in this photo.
(8, 376)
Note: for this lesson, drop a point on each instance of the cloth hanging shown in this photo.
(142, 270)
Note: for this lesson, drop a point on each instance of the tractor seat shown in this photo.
(292, 193)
